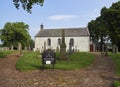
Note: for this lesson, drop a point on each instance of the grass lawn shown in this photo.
(77, 61)
(116, 59)
(5, 53)
(30, 61)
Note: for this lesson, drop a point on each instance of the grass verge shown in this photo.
(30, 61)
(77, 61)
(116, 84)
(5, 53)
(116, 59)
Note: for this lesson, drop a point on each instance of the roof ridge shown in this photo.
(63, 28)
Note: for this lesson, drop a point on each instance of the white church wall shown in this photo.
(40, 41)
(80, 43)
(83, 43)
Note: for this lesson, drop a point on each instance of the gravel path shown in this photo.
(99, 74)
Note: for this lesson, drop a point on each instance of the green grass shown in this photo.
(29, 61)
(78, 60)
(116, 59)
(5, 53)
(116, 84)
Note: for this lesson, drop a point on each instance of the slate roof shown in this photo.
(69, 32)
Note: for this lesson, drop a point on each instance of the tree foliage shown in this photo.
(93, 31)
(111, 17)
(107, 24)
(98, 31)
(14, 33)
(31, 44)
(27, 4)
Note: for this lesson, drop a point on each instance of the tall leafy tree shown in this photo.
(21, 33)
(98, 31)
(107, 24)
(6, 34)
(14, 33)
(102, 30)
(27, 4)
(93, 31)
(111, 18)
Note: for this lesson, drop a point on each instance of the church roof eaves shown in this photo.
(69, 32)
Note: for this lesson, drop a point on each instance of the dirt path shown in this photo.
(99, 74)
(7, 69)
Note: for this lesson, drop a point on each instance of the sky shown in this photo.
(54, 14)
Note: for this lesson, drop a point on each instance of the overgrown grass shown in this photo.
(31, 61)
(116, 84)
(5, 53)
(77, 61)
(116, 59)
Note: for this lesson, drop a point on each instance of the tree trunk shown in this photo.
(101, 44)
(106, 50)
(113, 48)
(102, 50)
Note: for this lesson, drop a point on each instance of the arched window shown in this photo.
(59, 41)
(49, 42)
(72, 42)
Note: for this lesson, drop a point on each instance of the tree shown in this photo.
(98, 31)
(6, 35)
(107, 26)
(14, 33)
(21, 33)
(32, 44)
(111, 18)
(27, 4)
(93, 31)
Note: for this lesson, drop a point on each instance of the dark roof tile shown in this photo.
(69, 32)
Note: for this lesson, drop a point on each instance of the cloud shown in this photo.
(62, 17)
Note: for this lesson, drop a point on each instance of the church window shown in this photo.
(59, 41)
(49, 42)
(72, 42)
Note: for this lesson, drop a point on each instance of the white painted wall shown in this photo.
(80, 43)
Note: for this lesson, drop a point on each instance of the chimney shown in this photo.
(42, 26)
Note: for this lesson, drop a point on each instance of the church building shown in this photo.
(78, 38)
